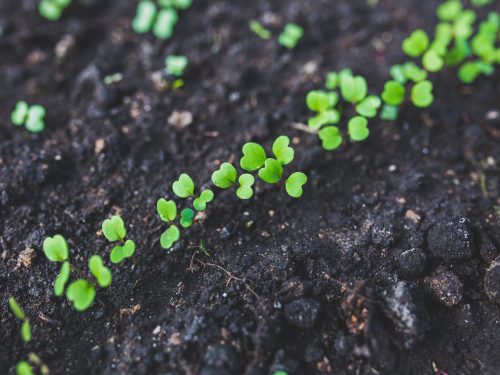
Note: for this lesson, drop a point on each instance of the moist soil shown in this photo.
(378, 269)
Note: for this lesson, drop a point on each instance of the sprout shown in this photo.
(26, 331)
(52, 9)
(284, 154)
(260, 30)
(449, 10)
(389, 112)
(412, 72)
(145, 16)
(205, 197)
(294, 183)
(19, 313)
(291, 35)
(421, 94)
(225, 177)
(330, 137)
(24, 368)
(56, 248)
(324, 118)
(472, 69)
(416, 43)
(31, 117)
(184, 186)
(432, 61)
(164, 25)
(317, 101)
(162, 22)
(187, 216)
(179, 4)
(332, 80)
(81, 293)
(114, 230)
(394, 93)
(169, 237)
(245, 190)
(358, 128)
(271, 172)
(102, 273)
(166, 209)
(121, 252)
(175, 64)
(353, 89)
(253, 158)
(62, 279)
(369, 106)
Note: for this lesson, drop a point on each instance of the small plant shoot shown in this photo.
(176, 64)
(114, 230)
(245, 190)
(32, 117)
(53, 9)
(294, 184)
(225, 177)
(81, 293)
(184, 186)
(259, 30)
(290, 35)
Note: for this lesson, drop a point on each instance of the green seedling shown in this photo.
(416, 44)
(170, 237)
(389, 113)
(369, 106)
(176, 64)
(245, 190)
(161, 22)
(164, 25)
(184, 186)
(178, 4)
(324, 118)
(62, 279)
(56, 248)
(449, 10)
(114, 230)
(31, 117)
(394, 93)
(421, 94)
(167, 210)
(332, 80)
(290, 35)
(353, 88)
(187, 216)
(24, 368)
(206, 196)
(18, 312)
(113, 78)
(52, 9)
(294, 183)
(260, 30)
(253, 158)
(81, 293)
(330, 137)
(284, 154)
(317, 101)
(145, 16)
(358, 128)
(102, 273)
(469, 72)
(121, 252)
(225, 177)
(432, 61)
(481, 3)
(271, 172)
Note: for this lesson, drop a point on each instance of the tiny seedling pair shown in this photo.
(32, 117)
(52, 9)
(288, 38)
(162, 21)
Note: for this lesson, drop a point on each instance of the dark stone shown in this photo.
(294, 288)
(446, 287)
(302, 312)
(412, 263)
(221, 356)
(382, 233)
(492, 280)
(487, 249)
(451, 240)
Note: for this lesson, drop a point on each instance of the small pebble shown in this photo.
(492, 280)
(451, 240)
(412, 263)
(302, 312)
(446, 287)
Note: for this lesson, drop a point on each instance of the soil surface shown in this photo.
(380, 268)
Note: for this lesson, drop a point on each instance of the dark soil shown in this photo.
(378, 269)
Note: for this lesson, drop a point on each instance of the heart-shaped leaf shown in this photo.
(253, 158)
(35, 122)
(16, 309)
(294, 184)
(332, 80)
(26, 331)
(416, 43)
(19, 114)
(330, 137)
(144, 18)
(394, 93)
(225, 177)
(165, 22)
(331, 116)
(272, 171)
(184, 186)
(169, 237)
(283, 153)
(100, 271)
(176, 64)
(205, 197)
(421, 94)
(114, 229)
(413, 72)
(389, 112)
(358, 128)
(166, 209)
(61, 279)
(187, 216)
(317, 101)
(24, 368)
(119, 253)
(81, 293)
(245, 190)
(369, 106)
(56, 248)
(353, 89)
(432, 62)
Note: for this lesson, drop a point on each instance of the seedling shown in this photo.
(187, 216)
(260, 30)
(114, 230)
(389, 113)
(416, 44)
(24, 368)
(176, 64)
(19, 313)
(421, 94)
(290, 35)
(394, 93)
(167, 210)
(225, 177)
(178, 4)
(271, 172)
(161, 21)
(294, 183)
(284, 154)
(200, 203)
(358, 128)
(102, 273)
(184, 186)
(432, 61)
(253, 158)
(32, 117)
(81, 293)
(369, 106)
(52, 9)
(245, 190)
(330, 137)
(469, 72)
(169, 237)
(353, 88)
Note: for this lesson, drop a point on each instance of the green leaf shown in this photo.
(184, 186)
(119, 253)
(187, 216)
(284, 154)
(412, 72)
(24, 368)
(175, 64)
(260, 30)
(449, 10)
(16, 309)
(394, 93)
(421, 94)
(253, 158)
(290, 35)
(324, 118)
(144, 18)
(56, 248)
(114, 229)
(294, 184)
(317, 101)
(271, 172)
(225, 177)
(330, 137)
(432, 61)
(332, 80)
(81, 293)
(397, 74)
(416, 43)
(35, 122)
(169, 237)
(49, 10)
(333, 99)
(358, 128)
(100, 271)
(353, 89)
(164, 26)
(389, 113)
(369, 106)
(166, 209)
(26, 331)
(20, 113)
(245, 190)
(61, 279)
(205, 197)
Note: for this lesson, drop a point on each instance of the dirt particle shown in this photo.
(180, 119)
(446, 287)
(413, 216)
(492, 280)
(26, 257)
(99, 145)
(412, 263)
(302, 312)
(451, 240)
